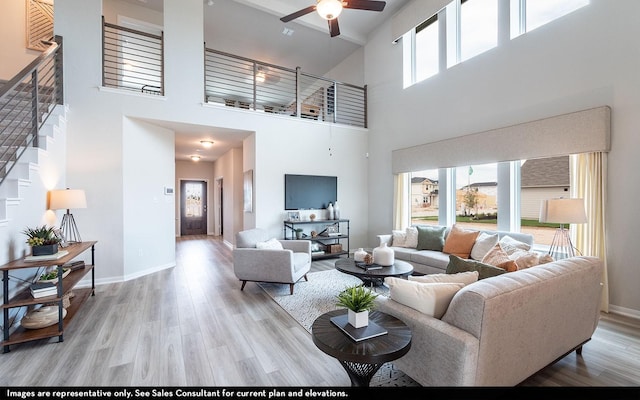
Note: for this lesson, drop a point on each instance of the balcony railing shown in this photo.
(249, 84)
(26, 101)
(132, 60)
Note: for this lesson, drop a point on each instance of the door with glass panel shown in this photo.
(193, 208)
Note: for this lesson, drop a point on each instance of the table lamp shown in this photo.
(68, 199)
(564, 212)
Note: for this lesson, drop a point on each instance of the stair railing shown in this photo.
(26, 102)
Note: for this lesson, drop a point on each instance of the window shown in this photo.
(527, 15)
(427, 49)
(477, 196)
(424, 197)
(478, 27)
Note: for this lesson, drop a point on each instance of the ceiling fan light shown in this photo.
(329, 9)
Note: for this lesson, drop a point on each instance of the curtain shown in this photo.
(588, 181)
(401, 201)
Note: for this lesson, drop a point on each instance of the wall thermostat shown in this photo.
(168, 190)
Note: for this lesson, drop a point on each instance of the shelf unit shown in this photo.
(289, 228)
(23, 298)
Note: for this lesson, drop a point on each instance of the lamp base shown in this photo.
(69, 229)
(561, 246)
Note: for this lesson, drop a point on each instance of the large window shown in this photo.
(477, 196)
(424, 197)
(527, 15)
(478, 27)
(427, 49)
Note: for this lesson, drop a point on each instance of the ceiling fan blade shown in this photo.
(334, 29)
(298, 14)
(365, 5)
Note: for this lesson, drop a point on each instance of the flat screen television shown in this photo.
(309, 191)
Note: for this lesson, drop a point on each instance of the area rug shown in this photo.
(317, 296)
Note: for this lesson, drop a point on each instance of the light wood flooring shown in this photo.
(192, 326)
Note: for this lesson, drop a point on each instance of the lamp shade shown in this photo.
(67, 199)
(329, 9)
(563, 211)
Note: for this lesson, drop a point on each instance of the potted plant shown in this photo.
(359, 301)
(42, 239)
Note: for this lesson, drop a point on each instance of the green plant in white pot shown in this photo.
(359, 301)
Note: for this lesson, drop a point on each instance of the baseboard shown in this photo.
(626, 312)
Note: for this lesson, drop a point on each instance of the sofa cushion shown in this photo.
(484, 242)
(436, 259)
(403, 253)
(461, 277)
(430, 237)
(460, 241)
(272, 244)
(399, 238)
(429, 298)
(457, 264)
(511, 245)
(499, 258)
(411, 237)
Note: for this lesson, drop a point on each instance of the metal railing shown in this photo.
(132, 60)
(26, 102)
(249, 84)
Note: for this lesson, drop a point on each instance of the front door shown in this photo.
(193, 208)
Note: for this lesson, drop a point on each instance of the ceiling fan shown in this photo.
(330, 9)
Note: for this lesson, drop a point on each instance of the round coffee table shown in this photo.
(374, 276)
(362, 359)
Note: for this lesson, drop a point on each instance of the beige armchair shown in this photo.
(288, 265)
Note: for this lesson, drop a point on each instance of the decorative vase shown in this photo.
(359, 255)
(298, 234)
(383, 255)
(44, 250)
(330, 211)
(336, 211)
(358, 319)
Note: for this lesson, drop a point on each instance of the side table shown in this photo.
(362, 359)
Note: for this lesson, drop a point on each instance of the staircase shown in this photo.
(31, 117)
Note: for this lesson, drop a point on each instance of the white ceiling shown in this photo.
(252, 29)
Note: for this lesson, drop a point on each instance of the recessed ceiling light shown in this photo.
(195, 158)
(206, 143)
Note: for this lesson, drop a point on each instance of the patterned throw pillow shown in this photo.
(411, 237)
(460, 241)
(399, 238)
(499, 258)
(511, 245)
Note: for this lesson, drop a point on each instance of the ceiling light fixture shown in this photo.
(195, 158)
(329, 9)
(206, 143)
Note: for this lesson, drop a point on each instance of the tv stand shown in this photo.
(328, 241)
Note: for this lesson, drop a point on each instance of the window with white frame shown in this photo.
(478, 27)
(427, 49)
(527, 15)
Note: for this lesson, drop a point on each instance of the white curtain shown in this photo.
(588, 181)
(401, 201)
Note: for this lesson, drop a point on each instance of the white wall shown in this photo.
(583, 60)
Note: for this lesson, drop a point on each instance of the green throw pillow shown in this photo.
(457, 264)
(430, 237)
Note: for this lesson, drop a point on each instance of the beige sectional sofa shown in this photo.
(500, 330)
(435, 262)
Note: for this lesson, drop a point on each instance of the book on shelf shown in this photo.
(43, 289)
(48, 257)
(317, 253)
(44, 294)
(74, 265)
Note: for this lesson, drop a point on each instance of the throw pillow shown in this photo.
(399, 238)
(484, 243)
(411, 237)
(528, 259)
(499, 258)
(511, 245)
(460, 241)
(431, 237)
(271, 244)
(429, 298)
(457, 264)
(461, 277)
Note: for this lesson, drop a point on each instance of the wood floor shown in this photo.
(192, 326)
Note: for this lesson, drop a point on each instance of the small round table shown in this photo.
(374, 276)
(362, 359)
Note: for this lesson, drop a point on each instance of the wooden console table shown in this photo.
(23, 298)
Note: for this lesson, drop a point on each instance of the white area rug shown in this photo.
(317, 296)
(313, 298)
